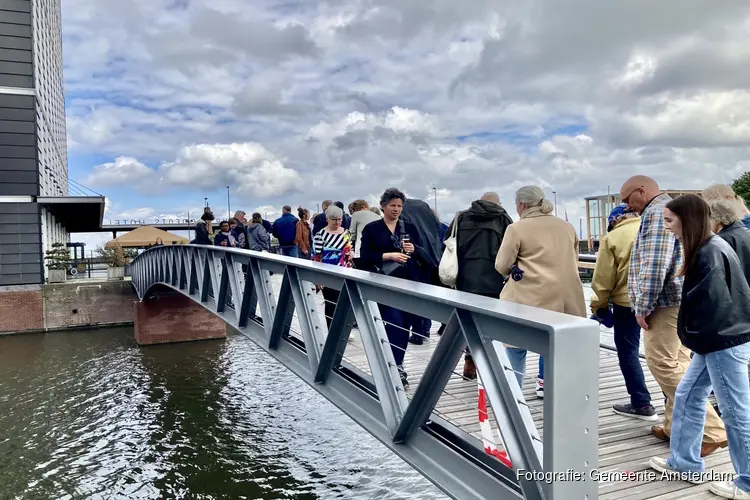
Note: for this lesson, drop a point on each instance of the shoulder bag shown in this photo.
(448, 269)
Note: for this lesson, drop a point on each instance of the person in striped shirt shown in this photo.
(332, 245)
(655, 290)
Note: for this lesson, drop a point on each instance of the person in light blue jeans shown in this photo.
(713, 322)
(517, 359)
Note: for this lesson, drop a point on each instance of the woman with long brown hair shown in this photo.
(713, 322)
(303, 238)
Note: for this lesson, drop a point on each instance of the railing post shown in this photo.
(571, 395)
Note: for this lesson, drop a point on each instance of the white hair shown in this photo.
(334, 212)
(725, 192)
(533, 196)
(723, 211)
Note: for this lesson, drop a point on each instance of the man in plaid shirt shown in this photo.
(655, 292)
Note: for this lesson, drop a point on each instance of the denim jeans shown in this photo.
(727, 373)
(627, 342)
(289, 251)
(518, 363)
(398, 336)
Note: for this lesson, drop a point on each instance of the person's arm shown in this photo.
(605, 276)
(708, 304)
(353, 231)
(275, 228)
(264, 238)
(317, 247)
(369, 252)
(508, 253)
(656, 254)
(299, 238)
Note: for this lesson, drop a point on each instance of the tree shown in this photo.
(741, 187)
(112, 254)
(58, 256)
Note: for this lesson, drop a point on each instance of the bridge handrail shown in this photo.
(570, 345)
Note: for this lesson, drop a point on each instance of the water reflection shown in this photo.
(90, 415)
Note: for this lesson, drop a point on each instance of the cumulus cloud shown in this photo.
(298, 102)
(124, 170)
(248, 168)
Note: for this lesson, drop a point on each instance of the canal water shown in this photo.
(88, 414)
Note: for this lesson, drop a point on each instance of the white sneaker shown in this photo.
(540, 388)
(727, 489)
(661, 465)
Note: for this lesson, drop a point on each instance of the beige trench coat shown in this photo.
(545, 248)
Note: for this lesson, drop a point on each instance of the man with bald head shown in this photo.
(479, 231)
(655, 291)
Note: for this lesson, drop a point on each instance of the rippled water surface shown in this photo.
(91, 415)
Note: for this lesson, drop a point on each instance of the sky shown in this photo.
(297, 101)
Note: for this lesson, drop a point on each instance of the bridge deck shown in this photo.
(625, 444)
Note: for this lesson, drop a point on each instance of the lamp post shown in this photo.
(555, 194)
(229, 206)
(434, 192)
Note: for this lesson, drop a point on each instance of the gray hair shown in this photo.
(492, 197)
(533, 196)
(334, 212)
(723, 211)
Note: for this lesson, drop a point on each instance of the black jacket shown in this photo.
(419, 214)
(319, 222)
(738, 237)
(715, 309)
(377, 240)
(480, 233)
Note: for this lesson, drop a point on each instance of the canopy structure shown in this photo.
(146, 236)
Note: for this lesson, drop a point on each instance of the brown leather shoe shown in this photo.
(470, 369)
(659, 432)
(709, 448)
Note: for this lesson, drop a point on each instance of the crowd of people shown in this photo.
(674, 271)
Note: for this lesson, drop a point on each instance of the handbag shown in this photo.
(448, 269)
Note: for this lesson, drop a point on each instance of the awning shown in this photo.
(145, 236)
(79, 214)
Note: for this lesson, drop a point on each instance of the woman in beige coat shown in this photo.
(545, 249)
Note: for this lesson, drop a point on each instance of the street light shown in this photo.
(555, 194)
(229, 206)
(434, 191)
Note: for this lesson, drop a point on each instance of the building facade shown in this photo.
(33, 157)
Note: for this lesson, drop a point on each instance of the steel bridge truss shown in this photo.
(454, 461)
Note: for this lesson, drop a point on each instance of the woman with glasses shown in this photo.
(391, 246)
(332, 245)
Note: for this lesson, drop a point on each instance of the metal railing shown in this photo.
(237, 284)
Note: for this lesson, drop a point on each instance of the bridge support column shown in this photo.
(166, 319)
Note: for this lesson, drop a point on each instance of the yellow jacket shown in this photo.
(610, 281)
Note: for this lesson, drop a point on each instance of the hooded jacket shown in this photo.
(257, 238)
(610, 281)
(420, 215)
(715, 309)
(480, 233)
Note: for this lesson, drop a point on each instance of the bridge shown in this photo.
(433, 424)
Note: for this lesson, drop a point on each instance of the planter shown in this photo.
(56, 275)
(115, 273)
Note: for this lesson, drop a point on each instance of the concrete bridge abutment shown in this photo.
(172, 317)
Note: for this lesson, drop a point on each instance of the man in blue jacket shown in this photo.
(285, 230)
